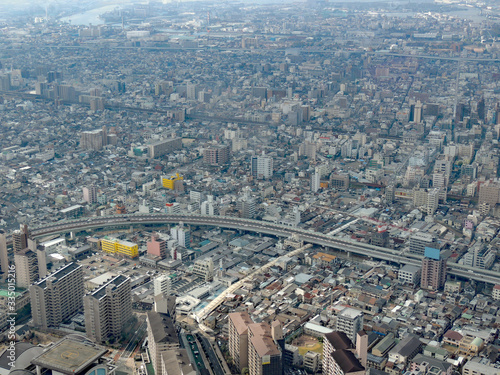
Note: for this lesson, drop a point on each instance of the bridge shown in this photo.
(308, 236)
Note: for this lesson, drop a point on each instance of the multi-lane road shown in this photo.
(308, 236)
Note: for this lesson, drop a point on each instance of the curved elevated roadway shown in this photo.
(308, 236)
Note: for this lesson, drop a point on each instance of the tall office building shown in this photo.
(26, 263)
(90, 194)
(433, 270)
(350, 321)
(216, 155)
(264, 355)
(4, 255)
(20, 238)
(161, 337)
(238, 338)
(108, 309)
(57, 297)
(262, 166)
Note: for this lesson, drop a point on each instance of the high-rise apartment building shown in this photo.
(262, 166)
(315, 182)
(26, 263)
(238, 338)
(182, 235)
(108, 309)
(20, 238)
(350, 321)
(216, 155)
(93, 139)
(90, 194)
(264, 355)
(161, 337)
(4, 255)
(489, 192)
(339, 357)
(163, 284)
(433, 270)
(58, 296)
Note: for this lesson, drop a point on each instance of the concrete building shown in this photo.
(338, 355)
(107, 309)
(157, 247)
(238, 338)
(216, 155)
(163, 284)
(182, 235)
(93, 140)
(264, 355)
(164, 147)
(350, 321)
(315, 182)
(57, 297)
(20, 238)
(409, 274)
(90, 194)
(419, 241)
(161, 337)
(4, 255)
(119, 247)
(433, 273)
(27, 272)
(204, 268)
(262, 166)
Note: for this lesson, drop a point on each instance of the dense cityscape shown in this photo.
(250, 188)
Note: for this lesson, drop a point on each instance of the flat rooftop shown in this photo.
(69, 356)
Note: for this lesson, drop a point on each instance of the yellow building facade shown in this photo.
(168, 182)
(115, 246)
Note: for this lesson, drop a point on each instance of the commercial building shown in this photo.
(118, 247)
(161, 337)
(57, 297)
(172, 182)
(315, 182)
(27, 272)
(350, 321)
(216, 155)
(339, 182)
(164, 147)
(107, 309)
(489, 193)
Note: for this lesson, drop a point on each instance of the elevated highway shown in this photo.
(308, 236)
